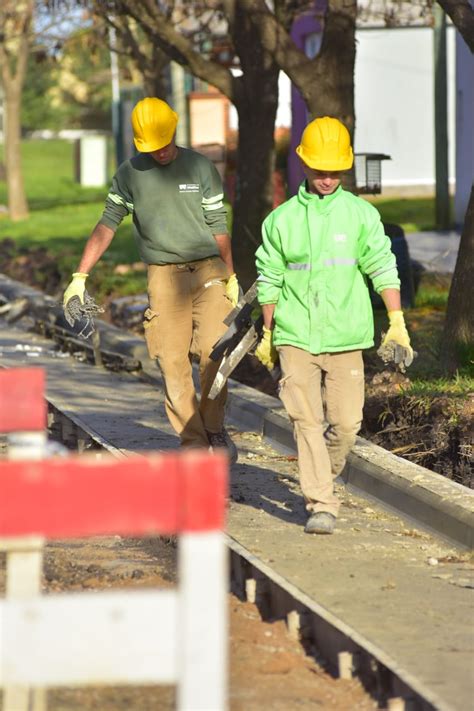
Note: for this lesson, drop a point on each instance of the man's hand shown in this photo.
(265, 351)
(396, 342)
(232, 289)
(77, 288)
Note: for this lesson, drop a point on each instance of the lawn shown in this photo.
(414, 214)
(63, 213)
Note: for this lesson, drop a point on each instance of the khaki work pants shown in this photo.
(185, 319)
(324, 396)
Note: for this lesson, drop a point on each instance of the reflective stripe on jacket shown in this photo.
(313, 264)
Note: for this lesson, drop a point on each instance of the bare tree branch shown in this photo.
(462, 15)
(276, 39)
(181, 49)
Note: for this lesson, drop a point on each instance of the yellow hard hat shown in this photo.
(154, 124)
(326, 145)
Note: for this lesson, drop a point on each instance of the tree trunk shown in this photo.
(254, 188)
(17, 203)
(256, 101)
(328, 86)
(457, 344)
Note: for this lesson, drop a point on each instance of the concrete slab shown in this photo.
(403, 589)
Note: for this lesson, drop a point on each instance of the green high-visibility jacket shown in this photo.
(313, 264)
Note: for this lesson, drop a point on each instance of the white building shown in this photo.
(394, 107)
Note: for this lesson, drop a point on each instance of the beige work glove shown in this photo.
(266, 351)
(232, 290)
(396, 342)
(77, 288)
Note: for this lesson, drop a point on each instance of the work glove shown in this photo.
(266, 351)
(232, 290)
(77, 288)
(395, 344)
(79, 306)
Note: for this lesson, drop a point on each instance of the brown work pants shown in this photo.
(185, 319)
(324, 396)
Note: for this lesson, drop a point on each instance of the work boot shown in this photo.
(320, 522)
(221, 440)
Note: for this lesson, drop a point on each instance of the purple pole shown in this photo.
(303, 28)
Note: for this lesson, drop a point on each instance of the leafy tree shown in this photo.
(26, 26)
(83, 94)
(134, 48)
(36, 109)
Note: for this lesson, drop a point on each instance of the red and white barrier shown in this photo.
(136, 637)
(23, 412)
(23, 420)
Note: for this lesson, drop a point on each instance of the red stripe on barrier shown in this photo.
(65, 498)
(22, 401)
(204, 480)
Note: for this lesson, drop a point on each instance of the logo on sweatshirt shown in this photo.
(188, 187)
(340, 237)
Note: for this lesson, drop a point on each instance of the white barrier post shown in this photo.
(122, 637)
(23, 419)
(203, 576)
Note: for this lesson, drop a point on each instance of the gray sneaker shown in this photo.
(320, 522)
(222, 440)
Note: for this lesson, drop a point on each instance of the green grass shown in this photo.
(414, 214)
(63, 213)
(433, 290)
(460, 386)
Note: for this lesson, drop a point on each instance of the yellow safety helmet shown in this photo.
(154, 124)
(326, 145)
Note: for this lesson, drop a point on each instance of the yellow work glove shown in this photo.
(396, 342)
(266, 351)
(77, 288)
(232, 289)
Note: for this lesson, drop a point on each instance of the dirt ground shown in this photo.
(268, 670)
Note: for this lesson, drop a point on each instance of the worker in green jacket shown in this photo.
(318, 250)
(175, 196)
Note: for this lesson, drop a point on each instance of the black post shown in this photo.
(441, 120)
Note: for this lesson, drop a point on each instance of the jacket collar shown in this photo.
(321, 204)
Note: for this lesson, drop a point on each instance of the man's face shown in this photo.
(324, 182)
(165, 155)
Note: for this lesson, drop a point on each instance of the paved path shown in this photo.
(436, 251)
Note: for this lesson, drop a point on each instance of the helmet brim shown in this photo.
(316, 163)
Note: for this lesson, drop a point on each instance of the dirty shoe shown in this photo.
(221, 440)
(320, 522)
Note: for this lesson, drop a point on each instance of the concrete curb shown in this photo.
(427, 498)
